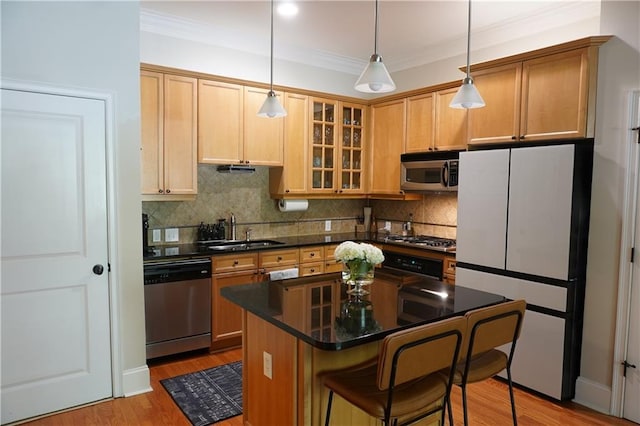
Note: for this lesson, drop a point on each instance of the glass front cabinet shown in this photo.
(337, 147)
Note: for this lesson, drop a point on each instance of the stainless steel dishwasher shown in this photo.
(177, 301)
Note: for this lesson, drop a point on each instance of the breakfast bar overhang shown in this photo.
(295, 329)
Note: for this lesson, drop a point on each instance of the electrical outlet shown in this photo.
(172, 251)
(171, 235)
(157, 236)
(267, 366)
(387, 225)
(327, 225)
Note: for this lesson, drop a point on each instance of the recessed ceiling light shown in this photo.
(287, 9)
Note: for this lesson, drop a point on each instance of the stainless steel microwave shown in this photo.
(429, 171)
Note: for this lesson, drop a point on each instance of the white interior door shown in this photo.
(56, 349)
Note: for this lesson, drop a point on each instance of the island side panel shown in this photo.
(268, 401)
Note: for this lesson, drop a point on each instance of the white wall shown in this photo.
(94, 46)
(618, 74)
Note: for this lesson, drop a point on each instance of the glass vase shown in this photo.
(358, 276)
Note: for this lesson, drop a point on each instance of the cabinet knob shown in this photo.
(312, 254)
(312, 270)
(513, 138)
(160, 191)
(287, 191)
(168, 191)
(235, 263)
(279, 258)
(521, 136)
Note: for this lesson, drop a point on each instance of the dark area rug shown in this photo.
(208, 396)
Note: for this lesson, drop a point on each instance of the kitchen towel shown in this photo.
(284, 274)
(293, 205)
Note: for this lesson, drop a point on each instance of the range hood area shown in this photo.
(236, 169)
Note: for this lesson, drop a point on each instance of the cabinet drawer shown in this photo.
(234, 262)
(311, 268)
(330, 251)
(332, 266)
(311, 254)
(269, 259)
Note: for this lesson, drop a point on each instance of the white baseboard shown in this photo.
(593, 395)
(136, 381)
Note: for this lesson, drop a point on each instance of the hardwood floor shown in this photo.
(488, 403)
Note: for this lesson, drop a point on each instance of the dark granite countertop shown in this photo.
(318, 310)
(201, 250)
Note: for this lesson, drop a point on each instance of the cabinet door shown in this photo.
(420, 123)
(499, 119)
(555, 96)
(323, 145)
(292, 178)
(352, 143)
(540, 201)
(482, 207)
(263, 137)
(451, 123)
(387, 144)
(226, 317)
(152, 134)
(220, 122)
(180, 135)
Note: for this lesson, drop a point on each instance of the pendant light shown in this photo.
(468, 95)
(375, 78)
(271, 107)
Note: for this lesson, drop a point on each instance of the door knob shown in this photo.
(98, 269)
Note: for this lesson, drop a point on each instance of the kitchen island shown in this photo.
(295, 329)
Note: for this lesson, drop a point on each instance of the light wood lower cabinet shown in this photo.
(277, 260)
(226, 317)
(330, 262)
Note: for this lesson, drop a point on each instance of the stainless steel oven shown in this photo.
(177, 301)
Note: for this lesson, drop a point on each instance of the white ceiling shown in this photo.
(339, 35)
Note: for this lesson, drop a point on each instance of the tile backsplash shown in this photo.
(247, 197)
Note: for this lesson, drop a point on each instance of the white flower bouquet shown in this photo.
(359, 260)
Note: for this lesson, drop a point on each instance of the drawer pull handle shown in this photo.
(235, 262)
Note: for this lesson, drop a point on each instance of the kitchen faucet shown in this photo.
(248, 234)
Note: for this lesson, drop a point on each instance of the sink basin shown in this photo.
(243, 245)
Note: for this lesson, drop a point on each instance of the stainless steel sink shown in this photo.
(243, 245)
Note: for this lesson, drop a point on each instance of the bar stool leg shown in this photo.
(326, 420)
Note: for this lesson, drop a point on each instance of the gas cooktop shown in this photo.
(423, 241)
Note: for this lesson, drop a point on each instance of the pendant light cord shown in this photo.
(375, 34)
(271, 64)
(469, 41)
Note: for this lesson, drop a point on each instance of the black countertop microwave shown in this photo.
(429, 171)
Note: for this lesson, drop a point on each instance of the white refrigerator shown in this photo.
(523, 223)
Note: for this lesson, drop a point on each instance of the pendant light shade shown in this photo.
(271, 107)
(375, 78)
(468, 95)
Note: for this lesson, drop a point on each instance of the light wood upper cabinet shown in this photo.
(451, 123)
(542, 98)
(421, 117)
(293, 177)
(229, 130)
(499, 119)
(432, 125)
(169, 141)
(220, 122)
(263, 137)
(387, 143)
(337, 141)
